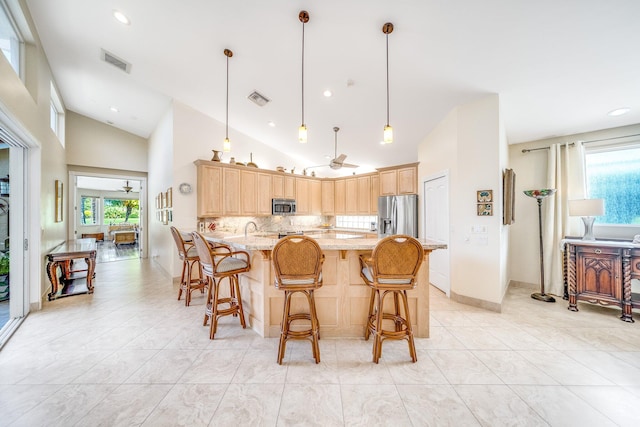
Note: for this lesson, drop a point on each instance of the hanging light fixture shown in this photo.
(303, 16)
(226, 145)
(388, 130)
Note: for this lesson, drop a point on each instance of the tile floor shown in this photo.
(131, 354)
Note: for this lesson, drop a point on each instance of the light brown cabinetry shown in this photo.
(209, 191)
(316, 197)
(231, 191)
(303, 197)
(600, 273)
(351, 196)
(375, 193)
(328, 197)
(399, 180)
(248, 193)
(264, 193)
(341, 197)
(364, 195)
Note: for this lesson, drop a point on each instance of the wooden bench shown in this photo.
(124, 237)
(98, 236)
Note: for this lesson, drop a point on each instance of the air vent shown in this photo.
(110, 58)
(258, 99)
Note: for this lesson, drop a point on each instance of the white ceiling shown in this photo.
(558, 66)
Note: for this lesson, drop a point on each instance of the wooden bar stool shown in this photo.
(219, 263)
(297, 262)
(391, 269)
(189, 256)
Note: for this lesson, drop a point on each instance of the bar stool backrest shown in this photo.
(297, 260)
(397, 259)
(180, 244)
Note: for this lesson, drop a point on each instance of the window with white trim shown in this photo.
(56, 115)
(89, 210)
(10, 39)
(613, 174)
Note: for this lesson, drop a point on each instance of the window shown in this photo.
(117, 211)
(613, 174)
(56, 115)
(89, 210)
(10, 40)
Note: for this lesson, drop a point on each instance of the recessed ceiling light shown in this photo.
(619, 111)
(271, 123)
(114, 109)
(327, 93)
(121, 17)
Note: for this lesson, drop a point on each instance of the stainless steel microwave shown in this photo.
(283, 206)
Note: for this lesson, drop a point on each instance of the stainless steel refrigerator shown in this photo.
(398, 215)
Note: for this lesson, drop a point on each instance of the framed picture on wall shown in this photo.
(170, 197)
(485, 209)
(484, 196)
(58, 195)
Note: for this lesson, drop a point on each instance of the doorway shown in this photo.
(111, 209)
(436, 226)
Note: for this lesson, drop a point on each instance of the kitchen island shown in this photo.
(342, 302)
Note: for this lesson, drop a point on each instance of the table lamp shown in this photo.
(588, 209)
(539, 195)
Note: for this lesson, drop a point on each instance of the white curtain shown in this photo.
(565, 173)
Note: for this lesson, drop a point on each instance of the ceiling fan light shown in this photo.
(302, 134)
(226, 145)
(388, 134)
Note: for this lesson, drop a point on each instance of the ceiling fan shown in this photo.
(338, 161)
(127, 188)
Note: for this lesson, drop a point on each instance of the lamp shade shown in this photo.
(586, 207)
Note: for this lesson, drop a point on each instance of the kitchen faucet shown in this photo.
(246, 227)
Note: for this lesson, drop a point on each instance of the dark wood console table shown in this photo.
(70, 281)
(600, 272)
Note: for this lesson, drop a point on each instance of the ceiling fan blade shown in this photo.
(339, 159)
(349, 165)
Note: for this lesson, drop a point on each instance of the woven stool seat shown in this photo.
(297, 262)
(391, 269)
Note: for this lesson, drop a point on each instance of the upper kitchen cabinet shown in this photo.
(284, 186)
(248, 193)
(328, 200)
(340, 197)
(364, 195)
(231, 191)
(265, 186)
(351, 198)
(399, 180)
(375, 192)
(308, 196)
(209, 191)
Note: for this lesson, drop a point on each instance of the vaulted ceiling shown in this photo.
(558, 66)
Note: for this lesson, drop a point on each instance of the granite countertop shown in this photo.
(332, 242)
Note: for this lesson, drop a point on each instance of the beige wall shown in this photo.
(25, 105)
(96, 144)
(531, 172)
(468, 143)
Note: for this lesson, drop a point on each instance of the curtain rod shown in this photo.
(526, 150)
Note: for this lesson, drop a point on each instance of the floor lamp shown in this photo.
(539, 195)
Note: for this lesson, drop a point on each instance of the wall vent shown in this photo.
(110, 58)
(258, 99)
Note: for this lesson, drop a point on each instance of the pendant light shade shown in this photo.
(388, 130)
(303, 16)
(226, 145)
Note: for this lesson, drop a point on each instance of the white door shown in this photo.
(436, 218)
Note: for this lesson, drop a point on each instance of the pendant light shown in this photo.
(388, 130)
(303, 16)
(226, 146)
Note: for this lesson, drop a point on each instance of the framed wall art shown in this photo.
(485, 209)
(58, 196)
(484, 196)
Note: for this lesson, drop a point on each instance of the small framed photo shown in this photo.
(485, 209)
(170, 197)
(485, 196)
